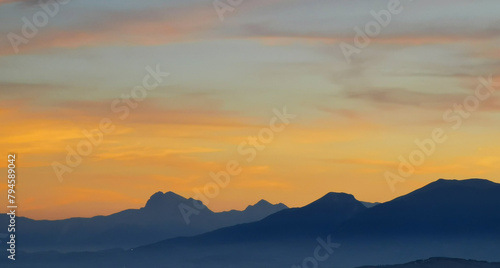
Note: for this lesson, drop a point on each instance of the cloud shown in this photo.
(425, 100)
(151, 27)
(3, 2)
(28, 91)
(347, 113)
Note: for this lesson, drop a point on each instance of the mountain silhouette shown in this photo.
(446, 218)
(164, 201)
(451, 218)
(317, 218)
(441, 263)
(159, 219)
(442, 207)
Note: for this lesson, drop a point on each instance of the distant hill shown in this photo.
(442, 207)
(441, 263)
(159, 219)
(451, 218)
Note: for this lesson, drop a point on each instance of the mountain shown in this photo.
(160, 218)
(279, 240)
(451, 218)
(440, 208)
(441, 263)
(251, 213)
(229, 245)
(317, 218)
(448, 218)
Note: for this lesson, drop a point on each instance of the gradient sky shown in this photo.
(353, 119)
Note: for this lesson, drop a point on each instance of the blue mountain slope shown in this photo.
(440, 208)
(441, 263)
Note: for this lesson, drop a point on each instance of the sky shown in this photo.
(230, 69)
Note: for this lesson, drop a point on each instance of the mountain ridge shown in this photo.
(441, 262)
(159, 218)
(432, 220)
(449, 218)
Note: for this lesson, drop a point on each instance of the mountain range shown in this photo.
(441, 263)
(160, 218)
(446, 218)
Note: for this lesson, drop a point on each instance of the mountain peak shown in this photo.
(332, 196)
(336, 200)
(470, 182)
(160, 199)
(263, 202)
(447, 184)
